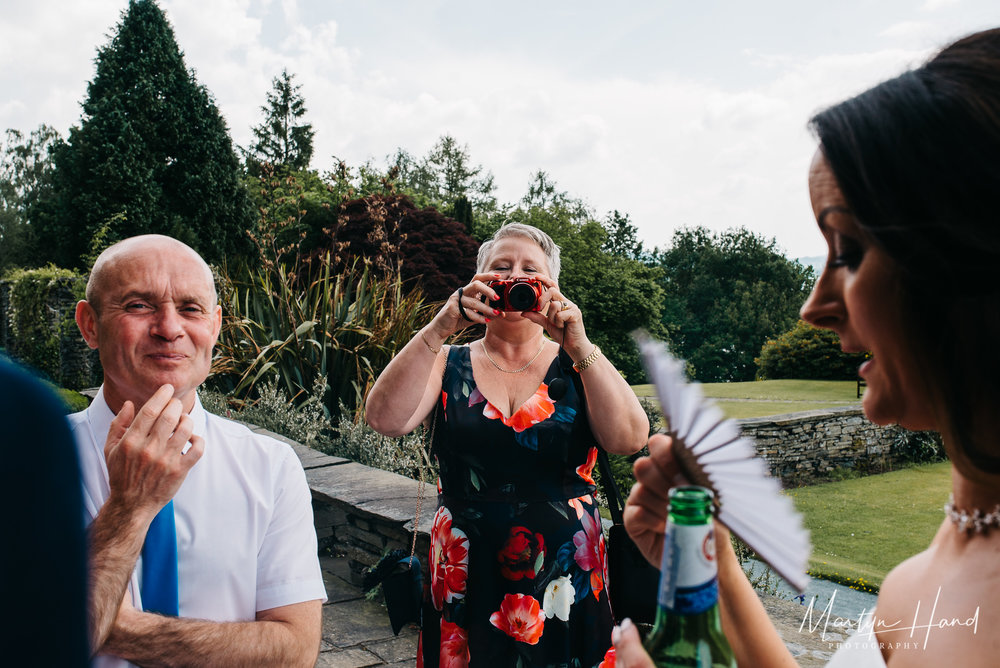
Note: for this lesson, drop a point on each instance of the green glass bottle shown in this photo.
(687, 631)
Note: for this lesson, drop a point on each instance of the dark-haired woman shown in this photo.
(517, 563)
(905, 188)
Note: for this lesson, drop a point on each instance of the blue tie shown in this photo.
(159, 564)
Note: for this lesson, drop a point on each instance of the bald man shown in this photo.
(249, 586)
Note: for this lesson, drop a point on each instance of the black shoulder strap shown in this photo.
(614, 497)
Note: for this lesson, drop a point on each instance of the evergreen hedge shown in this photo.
(808, 353)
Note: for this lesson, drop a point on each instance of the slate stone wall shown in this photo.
(801, 447)
(364, 512)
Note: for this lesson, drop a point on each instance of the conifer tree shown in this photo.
(461, 211)
(282, 139)
(152, 153)
(25, 174)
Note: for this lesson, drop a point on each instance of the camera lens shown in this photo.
(521, 297)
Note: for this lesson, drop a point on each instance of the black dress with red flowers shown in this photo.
(517, 561)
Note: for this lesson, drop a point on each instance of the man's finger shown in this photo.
(151, 410)
(119, 426)
(193, 450)
(182, 442)
(182, 431)
(167, 421)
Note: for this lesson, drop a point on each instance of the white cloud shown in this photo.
(290, 9)
(233, 59)
(648, 138)
(910, 31)
(46, 59)
(935, 5)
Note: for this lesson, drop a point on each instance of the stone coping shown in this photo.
(381, 494)
(788, 418)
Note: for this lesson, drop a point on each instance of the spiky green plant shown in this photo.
(293, 319)
(298, 325)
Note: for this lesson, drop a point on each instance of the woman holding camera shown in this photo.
(905, 188)
(517, 563)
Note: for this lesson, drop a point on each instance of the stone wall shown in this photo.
(801, 447)
(364, 512)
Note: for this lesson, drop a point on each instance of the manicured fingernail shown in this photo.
(616, 635)
(496, 312)
(487, 319)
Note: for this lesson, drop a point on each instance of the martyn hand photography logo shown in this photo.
(868, 624)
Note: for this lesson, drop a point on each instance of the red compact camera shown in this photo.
(517, 294)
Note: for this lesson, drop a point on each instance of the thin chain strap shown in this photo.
(420, 489)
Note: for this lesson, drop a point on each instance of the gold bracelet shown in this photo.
(428, 345)
(588, 360)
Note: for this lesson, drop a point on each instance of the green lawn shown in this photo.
(773, 397)
(863, 527)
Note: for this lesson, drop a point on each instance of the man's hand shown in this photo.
(147, 453)
(146, 459)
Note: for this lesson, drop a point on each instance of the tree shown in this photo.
(427, 248)
(25, 172)
(461, 211)
(807, 352)
(725, 294)
(346, 183)
(544, 193)
(443, 177)
(282, 139)
(616, 294)
(453, 174)
(152, 154)
(623, 237)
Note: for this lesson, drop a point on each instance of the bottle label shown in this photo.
(689, 572)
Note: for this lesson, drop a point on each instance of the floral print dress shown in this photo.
(517, 560)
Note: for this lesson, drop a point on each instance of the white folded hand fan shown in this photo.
(712, 453)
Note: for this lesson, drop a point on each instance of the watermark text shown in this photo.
(868, 623)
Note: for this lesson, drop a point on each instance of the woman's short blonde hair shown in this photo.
(543, 240)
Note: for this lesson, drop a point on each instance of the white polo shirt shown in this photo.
(245, 535)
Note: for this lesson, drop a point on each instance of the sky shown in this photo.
(675, 112)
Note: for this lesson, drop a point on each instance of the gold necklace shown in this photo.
(500, 368)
